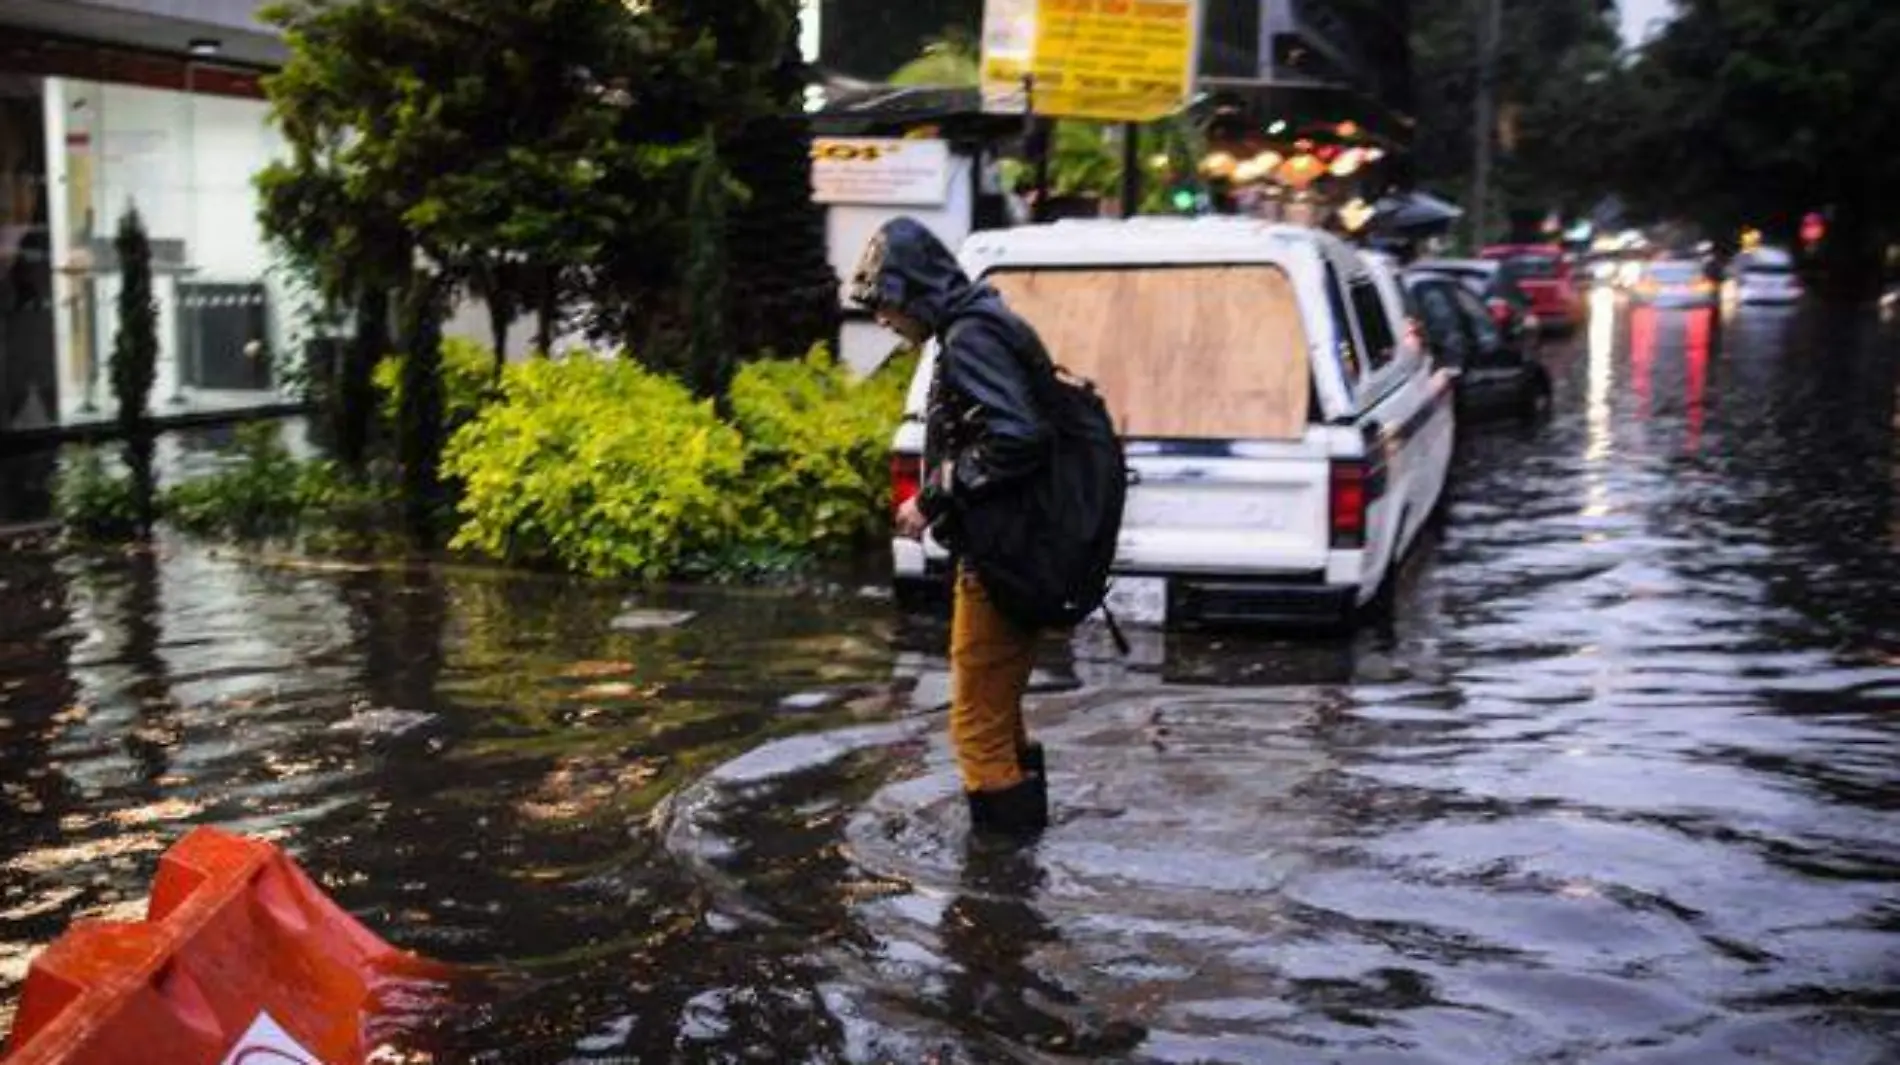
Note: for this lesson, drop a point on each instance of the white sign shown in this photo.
(265, 1043)
(1009, 48)
(880, 171)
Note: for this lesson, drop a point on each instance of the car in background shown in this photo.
(1765, 275)
(1543, 272)
(1675, 283)
(1504, 299)
(1288, 437)
(1492, 374)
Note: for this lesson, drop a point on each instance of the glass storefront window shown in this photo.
(186, 161)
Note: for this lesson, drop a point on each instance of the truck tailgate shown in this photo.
(1262, 510)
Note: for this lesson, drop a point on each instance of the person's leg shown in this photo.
(990, 662)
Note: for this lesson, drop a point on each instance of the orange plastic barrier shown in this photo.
(238, 946)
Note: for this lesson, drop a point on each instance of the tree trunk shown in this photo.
(545, 315)
(141, 443)
(786, 298)
(354, 410)
(499, 319)
(420, 444)
(708, 351)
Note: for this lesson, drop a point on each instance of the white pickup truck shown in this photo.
(1287, 434)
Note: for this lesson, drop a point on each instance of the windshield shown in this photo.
(1767, 269)
(1178, 352)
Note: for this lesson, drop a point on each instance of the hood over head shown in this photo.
(905, 268)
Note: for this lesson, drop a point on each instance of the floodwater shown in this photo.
(1620, 784)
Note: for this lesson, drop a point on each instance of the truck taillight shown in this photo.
(1347, 500)
(907, 479)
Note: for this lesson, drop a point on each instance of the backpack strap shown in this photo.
(1044, 373)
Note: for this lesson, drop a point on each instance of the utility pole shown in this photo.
(1038, 132)
(1485, 127)
(1131, 169)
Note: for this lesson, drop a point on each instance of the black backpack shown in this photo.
(1044, 550)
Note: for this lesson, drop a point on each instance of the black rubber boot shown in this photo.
(1035, 771)
(1020, 811)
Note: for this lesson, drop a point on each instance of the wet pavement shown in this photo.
(1620, 784)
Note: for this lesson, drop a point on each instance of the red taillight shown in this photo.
(907, 479)
(1500, 310)
(1347, 501)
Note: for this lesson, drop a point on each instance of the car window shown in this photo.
(1531, 266)
(1375, 329)
(1490, 342)
(1438, 308)
(1347, 345)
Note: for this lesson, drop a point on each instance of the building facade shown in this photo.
(110, 105)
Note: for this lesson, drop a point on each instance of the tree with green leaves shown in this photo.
(1557, 65)
(512, 142)
(134, 364)
(420, 416)
(950, 60)
(345, 240)
(511, 150)
(1755, 112)
(708, 350)
(782, 296)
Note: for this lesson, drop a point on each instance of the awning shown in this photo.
(169, 27)
(857, 108)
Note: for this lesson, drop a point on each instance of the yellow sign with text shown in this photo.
(1115, 60)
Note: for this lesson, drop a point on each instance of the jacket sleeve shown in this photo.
(1011, 438)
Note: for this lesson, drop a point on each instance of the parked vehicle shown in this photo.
(1494, 375)
(1765, 275)
(1675, 283)
(1542, 271)
(1507, 303)
(1286, 433)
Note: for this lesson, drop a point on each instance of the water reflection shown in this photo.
(1616, 785)
(1602, 356)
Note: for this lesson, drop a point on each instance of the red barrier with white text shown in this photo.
(241, 959)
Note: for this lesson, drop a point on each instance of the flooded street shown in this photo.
(1620, 784)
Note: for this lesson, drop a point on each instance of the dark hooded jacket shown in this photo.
(983, 418)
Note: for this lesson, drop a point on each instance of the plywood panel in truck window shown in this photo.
(1179, 352)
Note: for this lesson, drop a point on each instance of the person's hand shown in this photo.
(911, 522)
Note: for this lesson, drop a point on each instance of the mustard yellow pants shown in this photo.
(990, 661)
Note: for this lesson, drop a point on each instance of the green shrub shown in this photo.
(468, 381)
(94, 499)
(817, 447)
(263, 492)
(597, 466)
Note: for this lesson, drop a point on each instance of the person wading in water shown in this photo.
(988, 439)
